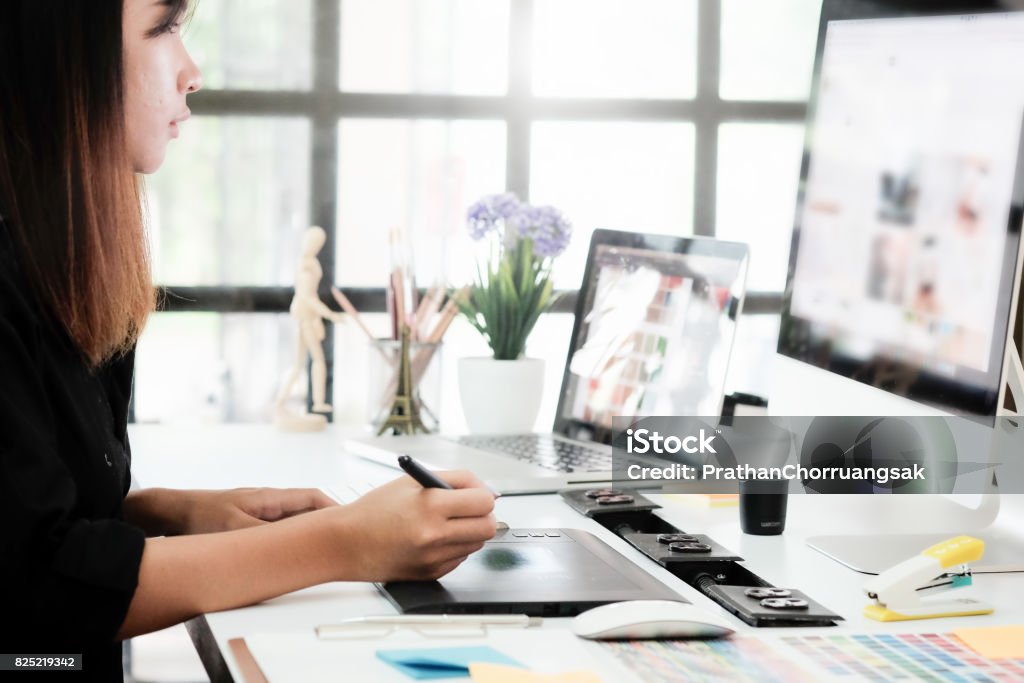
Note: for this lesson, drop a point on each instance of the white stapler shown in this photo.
(898, 592)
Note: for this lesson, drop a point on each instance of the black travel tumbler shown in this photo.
(763, 506)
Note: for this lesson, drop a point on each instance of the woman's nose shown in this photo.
(191, 78)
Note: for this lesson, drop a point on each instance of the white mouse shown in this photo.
(649, 619)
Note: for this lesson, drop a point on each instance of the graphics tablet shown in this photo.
(539, 572)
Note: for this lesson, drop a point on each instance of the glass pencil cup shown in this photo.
(384, 375)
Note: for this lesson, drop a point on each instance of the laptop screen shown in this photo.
(655, 323)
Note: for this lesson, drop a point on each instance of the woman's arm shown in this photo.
(184, 576)
(158, 512)
(397, 531)
(173, 512)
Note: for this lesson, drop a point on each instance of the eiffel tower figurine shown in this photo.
(404, 417)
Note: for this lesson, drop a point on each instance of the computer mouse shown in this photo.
(647, 620)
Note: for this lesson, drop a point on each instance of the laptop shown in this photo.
(655, 322)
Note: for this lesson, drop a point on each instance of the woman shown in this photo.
(91, 94)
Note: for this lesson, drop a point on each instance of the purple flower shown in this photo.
(483, 217)
(546, 226)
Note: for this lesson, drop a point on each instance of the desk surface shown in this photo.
(227, 456)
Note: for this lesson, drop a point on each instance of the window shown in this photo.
(768, 49)
(253, 45)
(420, 174)
(457, 47)
(612, 174)
(676, 116)
(231, 202)
(758, 174)
(615, 48)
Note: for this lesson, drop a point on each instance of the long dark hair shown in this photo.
(68, 193)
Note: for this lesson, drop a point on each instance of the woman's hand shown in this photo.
(211, 511)
(402, 531)
(397, 531)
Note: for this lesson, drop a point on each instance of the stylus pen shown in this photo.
(428, 479)
(423, 476)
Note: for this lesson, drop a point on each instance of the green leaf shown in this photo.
(512, 289)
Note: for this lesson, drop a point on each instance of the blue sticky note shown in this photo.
(444, 662)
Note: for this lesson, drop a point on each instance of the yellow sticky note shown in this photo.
(994, 642)
(500, 673)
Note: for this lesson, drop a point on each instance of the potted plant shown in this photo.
(501, 393)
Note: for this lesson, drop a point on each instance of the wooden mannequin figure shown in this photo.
(309, 313)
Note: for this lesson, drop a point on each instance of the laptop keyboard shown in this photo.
(544, 451)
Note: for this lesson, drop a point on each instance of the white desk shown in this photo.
(257, 455)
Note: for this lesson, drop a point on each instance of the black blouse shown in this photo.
(69, 564)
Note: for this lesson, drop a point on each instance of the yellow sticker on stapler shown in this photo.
(957, 550)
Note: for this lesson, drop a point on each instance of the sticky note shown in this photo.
(446, 662)
(994, 642)
(499, 673)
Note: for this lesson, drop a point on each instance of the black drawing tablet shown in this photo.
(539, 572)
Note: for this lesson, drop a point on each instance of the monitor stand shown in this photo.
(1004, 548)
(992, 520)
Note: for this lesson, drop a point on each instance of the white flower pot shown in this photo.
(500, 396)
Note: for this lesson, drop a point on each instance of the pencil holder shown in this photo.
(384, 375)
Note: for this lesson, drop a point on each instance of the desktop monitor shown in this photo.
(906, 252)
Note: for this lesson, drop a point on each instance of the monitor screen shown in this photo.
(653, 333)
(908, 225)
